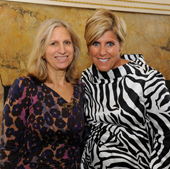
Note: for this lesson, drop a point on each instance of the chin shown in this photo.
(103, 69)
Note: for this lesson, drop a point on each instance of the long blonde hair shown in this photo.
(37, 65)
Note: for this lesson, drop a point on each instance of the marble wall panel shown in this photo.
(1, 102)
(148, 34)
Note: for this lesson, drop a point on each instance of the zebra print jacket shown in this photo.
(127, 111)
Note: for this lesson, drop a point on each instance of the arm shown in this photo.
(158, 114)
(12, 126)
(87, 128)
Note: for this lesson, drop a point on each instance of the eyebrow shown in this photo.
(54, 40)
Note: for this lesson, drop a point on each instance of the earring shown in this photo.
(122, 53)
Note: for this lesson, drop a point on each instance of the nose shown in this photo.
(102, 51)
(61, 49)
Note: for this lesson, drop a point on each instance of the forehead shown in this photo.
(108, 35)
(60, 32)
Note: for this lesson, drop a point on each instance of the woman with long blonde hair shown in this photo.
(43, 117)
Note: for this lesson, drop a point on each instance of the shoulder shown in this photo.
(144, 72)
(21, 84)
(146, 76)
(18, 87)
(137, 62)
(137, 58)
(88, 70)
(141, 67)
(23, 81)
(88, 73)
(81, 86)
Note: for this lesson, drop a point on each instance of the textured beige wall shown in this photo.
(148, 34)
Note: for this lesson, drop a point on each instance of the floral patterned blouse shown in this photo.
(40, 129)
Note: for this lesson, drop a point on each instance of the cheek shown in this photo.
(115, 51)
(92, 51)
(49, 51)
(92, 54)
(94, 60)
(70, 50)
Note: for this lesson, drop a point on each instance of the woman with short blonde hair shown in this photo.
(127, 108)
(105, 20)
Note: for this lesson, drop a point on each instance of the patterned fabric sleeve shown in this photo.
(158, 117)
(86, 129)
(158, 113)
(13, 122)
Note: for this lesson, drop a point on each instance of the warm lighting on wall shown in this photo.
(140, 6)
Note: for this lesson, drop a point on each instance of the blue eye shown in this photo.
(96, 43)
(110, 44)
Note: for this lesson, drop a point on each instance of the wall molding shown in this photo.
(137, 6)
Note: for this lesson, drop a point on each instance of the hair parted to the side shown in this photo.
(103, 20)
(36, 63)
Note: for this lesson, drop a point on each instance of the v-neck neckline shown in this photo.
(72, 98)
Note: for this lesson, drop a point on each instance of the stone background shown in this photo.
(148, 34)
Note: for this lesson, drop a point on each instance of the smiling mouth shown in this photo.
(61, 57)
(103, 60)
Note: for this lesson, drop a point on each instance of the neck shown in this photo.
(56, 78)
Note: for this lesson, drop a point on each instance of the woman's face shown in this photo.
(60, 51)
(105, 51)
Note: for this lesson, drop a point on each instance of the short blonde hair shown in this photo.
(103, 20)
(37, 65)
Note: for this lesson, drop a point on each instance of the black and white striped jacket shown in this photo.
(128, 113)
